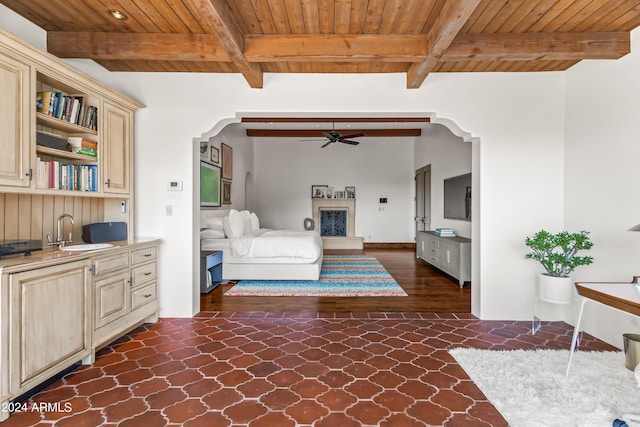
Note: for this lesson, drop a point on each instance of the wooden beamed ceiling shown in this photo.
(417, 37)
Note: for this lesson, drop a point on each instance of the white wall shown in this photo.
(602, 177)
(286, 168)
(448, 156)
(518, 117)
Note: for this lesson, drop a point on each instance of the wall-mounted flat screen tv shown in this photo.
(457, 197)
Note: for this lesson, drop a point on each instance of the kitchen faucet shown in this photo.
(59, 241)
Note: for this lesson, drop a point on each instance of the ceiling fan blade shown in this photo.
(348, 141)
(315, 140)
(325, 144)
(355, 135)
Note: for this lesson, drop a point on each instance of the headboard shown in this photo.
(211, 213)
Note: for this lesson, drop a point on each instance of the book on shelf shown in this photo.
(53, 174)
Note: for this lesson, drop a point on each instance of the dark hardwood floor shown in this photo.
(428, 289)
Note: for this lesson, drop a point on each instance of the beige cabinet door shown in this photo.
(50, 323)
(112, 298)
(15, 109)
(116, 149)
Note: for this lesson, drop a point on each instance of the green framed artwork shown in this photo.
(209, 185)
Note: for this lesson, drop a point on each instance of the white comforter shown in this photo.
(266, 243)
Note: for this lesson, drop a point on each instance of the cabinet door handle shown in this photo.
(147, 255)
(108, 183)
(147, 295)
(147, 274)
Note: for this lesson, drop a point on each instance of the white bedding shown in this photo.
(266, 243)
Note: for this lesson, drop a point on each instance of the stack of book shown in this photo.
(445, 232)
(72, 109)
(89, 148)
(65, 176)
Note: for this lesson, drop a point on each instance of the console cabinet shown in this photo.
(452, 255)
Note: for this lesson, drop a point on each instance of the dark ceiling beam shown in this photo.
(219, 19)
(318, 133)
(450, 20)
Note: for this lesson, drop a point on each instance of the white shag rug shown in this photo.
(529, 387)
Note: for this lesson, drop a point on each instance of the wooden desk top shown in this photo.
(618, 295)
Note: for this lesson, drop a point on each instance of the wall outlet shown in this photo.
(169, 210)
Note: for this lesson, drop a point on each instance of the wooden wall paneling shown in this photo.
(2, 208)
(37, 230)
(24, 219)
(11, 217)
(47, 218)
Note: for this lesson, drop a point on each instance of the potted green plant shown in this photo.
(558, 254)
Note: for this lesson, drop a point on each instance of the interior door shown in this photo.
(423, 199)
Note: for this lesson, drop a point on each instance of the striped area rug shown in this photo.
(340, 276)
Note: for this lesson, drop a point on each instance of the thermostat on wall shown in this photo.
(175, 185)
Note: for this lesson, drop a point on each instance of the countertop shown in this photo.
(47, 256)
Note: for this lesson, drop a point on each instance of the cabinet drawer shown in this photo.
(143, 295)
(434, 243)
(143, 274)
(143, 255)
(106, 264)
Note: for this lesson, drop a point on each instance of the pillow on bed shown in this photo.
(255, 222)
(246, 217)
(210, 233)
(216, 223)
(234, 224)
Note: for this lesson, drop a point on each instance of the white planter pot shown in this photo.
(558, 290)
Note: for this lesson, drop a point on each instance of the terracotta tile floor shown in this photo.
(286, 369)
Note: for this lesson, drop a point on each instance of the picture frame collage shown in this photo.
(216, 174)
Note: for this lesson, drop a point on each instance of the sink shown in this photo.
(86, 247)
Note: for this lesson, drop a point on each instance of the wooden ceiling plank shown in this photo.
(536, 46)
(295, 16)
(358, 16)
(564, 19)
(449, 22)
(503, 15)
(482, 16)
(102, 11)
(245, 16)
(368, 119)
(540, 10)
(326, 15)
(549, 19)
(393, 10)
(421, 13)
(311, 16)
(263, 12)
(37, 14)
(223, 25)
(138, 46)
(184, 12)
(374, 16)
(623, 20)
(342, 13)
(519, 15)
(166, 13)
(138, 12)
(280, 17)
(338, 48)
(310, 133)
(599, 21)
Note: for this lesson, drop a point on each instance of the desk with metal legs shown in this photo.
(618, 295)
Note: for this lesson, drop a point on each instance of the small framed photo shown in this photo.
(226, 192)
(215, 155)
(227, 161)
(319, 191)
(350, 192)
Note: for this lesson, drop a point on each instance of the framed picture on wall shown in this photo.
(209, 185)
(215, 155)
(319, 191)
(226, 192)
(227, 161)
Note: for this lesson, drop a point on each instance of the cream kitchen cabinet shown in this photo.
(124, 291)
(50, 324)
(117, 151)
(452, 255)
(15, 114)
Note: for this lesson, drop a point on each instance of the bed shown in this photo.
(253, 253)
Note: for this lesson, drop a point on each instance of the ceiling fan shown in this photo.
(335, 136)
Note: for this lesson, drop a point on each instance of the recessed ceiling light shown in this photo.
(118, 15)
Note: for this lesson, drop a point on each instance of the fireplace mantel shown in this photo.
(334, 242)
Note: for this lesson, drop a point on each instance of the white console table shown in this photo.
(449, 254)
